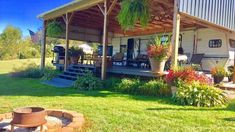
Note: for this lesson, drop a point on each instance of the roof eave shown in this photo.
(70, 7)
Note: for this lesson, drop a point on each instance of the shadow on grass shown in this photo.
(230, 107)
(231, 119)
(33, 87)
(186, 109)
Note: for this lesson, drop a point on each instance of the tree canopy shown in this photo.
(11, 35)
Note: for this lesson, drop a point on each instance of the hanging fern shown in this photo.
(54, 29)
(133, 11)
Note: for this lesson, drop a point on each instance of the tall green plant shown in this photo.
(133, 11)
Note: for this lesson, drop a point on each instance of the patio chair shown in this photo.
(118, 58)
(139, 60)
(197, 59)
(88, 58)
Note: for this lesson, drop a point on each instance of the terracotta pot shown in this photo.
(74, 59)
(156, 66)
(173, 90)
(218, 80)
(29, 117)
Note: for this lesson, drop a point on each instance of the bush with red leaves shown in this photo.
(187, 75)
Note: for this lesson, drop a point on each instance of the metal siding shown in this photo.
(219, 12)
(233, 14)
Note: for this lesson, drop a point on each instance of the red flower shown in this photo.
(158, 52)
(187, 75)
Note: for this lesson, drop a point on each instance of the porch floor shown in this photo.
(130, 71)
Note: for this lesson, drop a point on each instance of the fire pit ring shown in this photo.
(28, 117)
(58, 120)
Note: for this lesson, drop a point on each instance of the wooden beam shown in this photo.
(105, 35)
(43, 46)
(111, 7)
(66, 62)
(101, 9)
(234, 70)
(70, 17)
(175, 37)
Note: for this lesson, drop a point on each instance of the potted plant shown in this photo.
(133, 11)
(75, 54)
(218, 73)
(158, 53)
(54, 29)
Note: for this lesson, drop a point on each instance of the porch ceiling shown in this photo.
(161, 19)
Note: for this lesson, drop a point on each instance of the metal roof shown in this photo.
(219, 12)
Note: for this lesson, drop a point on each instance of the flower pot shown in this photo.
(218, 80)
(74, 59)
(173, 90)
(156, 66)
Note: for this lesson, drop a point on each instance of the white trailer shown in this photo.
(213, 43)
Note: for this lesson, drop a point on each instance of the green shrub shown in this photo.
(29, 53)
(33, 71)
(130, 86)
(28, 71)
(88, 82)
(49, 73)
(155, 88)
(112, 83)
(200, 95)
(137, 87)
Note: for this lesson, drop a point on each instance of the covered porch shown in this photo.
(95, 21)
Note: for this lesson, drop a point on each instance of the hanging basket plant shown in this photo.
(132, 12)
(54, 29)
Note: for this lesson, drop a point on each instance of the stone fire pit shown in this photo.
(57, 120)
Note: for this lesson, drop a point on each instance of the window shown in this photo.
(180, 40)
(232, 43)
(215, 43)
(123, 48)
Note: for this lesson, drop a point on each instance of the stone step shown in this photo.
(68, 77)
(76, 70)
(86, 67)
(75, 74)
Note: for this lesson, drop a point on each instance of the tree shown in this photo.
(11, 35)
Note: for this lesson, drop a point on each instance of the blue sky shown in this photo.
(23, 13)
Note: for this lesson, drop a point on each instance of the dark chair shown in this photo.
(140, 59)
(118, 58)
(197, 59)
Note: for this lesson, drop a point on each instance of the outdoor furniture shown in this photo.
(141, 59)
(197, 59)
(88, 59)
(98, 62)
(182, 59)
(118, 58)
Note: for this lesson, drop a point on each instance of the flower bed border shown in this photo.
(77, 120)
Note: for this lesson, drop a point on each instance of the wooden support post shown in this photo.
(66, 58)
(43, 47)
(175, 37)
(105, 42)
(67, 19)
(234, 70)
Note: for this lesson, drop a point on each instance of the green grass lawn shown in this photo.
(108, 111)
